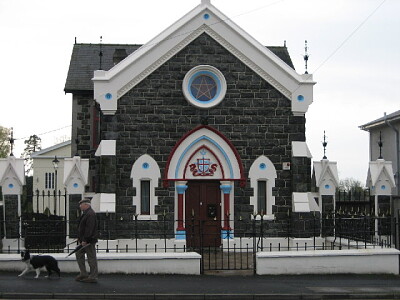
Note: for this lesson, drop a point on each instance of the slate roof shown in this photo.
(378, 122)
(85, 60)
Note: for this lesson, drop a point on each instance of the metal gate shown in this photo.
(43, 232)
(222, 252)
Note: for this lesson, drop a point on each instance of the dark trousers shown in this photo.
(90, 252)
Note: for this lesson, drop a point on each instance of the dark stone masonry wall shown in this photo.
(154, 115)
(11, 216)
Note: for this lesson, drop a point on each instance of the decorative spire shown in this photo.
(12, 140)
(101, 52)
(380, 144)
(306, 56)
(324, 144)
(205, 2)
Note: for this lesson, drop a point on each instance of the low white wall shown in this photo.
(362, 261)
(129, 263)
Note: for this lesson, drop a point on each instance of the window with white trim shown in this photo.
(145, 177)
(262, 176)
(261, 196)
(49, 180)
(145, 197)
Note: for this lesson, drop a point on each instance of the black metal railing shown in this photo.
(365, 230)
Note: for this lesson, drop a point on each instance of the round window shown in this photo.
(204, 86)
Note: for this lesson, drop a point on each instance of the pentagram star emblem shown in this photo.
(204, 88)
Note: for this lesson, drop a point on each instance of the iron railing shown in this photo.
(335, 231)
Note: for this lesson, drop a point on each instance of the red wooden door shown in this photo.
(203, 214)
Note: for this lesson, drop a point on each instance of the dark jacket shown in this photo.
(87, 228)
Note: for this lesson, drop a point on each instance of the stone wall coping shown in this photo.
(321, 253)
(112, 256)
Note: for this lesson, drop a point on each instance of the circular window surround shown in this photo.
(211, 72)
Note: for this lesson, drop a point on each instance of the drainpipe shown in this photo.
(397, 153)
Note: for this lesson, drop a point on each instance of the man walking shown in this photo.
(87, 238)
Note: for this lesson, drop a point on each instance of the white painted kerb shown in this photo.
(362, 261)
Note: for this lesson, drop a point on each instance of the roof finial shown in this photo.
(380, 144)
(101, 52)
(324, 144)
(12, 140)
(306, 56)
(205, 1)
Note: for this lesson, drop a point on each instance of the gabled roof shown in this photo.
(12, 167)
(43, 152)
(393, 117)
(76, 166)
(85, 60)
(110, 85)
(325, 169)
(380, 169)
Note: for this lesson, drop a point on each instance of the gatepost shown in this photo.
(76, 171)
(380, 180)
(12, 180)
(326, 180)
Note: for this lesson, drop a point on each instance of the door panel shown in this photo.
(203, 213)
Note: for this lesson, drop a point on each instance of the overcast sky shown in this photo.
(354, 48)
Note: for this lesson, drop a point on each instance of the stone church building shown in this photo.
(202, 125)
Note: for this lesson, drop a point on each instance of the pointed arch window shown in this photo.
(262, 176)
(145, 177)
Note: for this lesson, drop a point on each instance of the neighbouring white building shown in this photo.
(48, 173)
(385, 130)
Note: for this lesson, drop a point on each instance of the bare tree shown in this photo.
(32, 144)
(350, 184)
(5, 146)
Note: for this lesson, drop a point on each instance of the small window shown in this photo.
(262, 196)
(262, 176)
(96, 128)
(145, 197)
(145, 175)
(49, 180)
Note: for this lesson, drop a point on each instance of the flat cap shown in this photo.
(85, 200)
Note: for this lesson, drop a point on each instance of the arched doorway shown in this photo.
(203, 213)
(204, 165)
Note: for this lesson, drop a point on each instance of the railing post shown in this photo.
(164, 233)
(136, 233)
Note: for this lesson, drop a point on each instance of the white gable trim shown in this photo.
(380, 170)
(76, 173)
(110, 85)
(326, 170)
(12, 175)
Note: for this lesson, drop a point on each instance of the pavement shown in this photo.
(213, 286)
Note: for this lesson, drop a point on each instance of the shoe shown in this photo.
(80, 277)
(89, 280)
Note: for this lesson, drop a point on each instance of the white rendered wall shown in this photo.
(363, 261)
(129, 263)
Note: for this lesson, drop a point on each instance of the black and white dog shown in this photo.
(36, 262)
